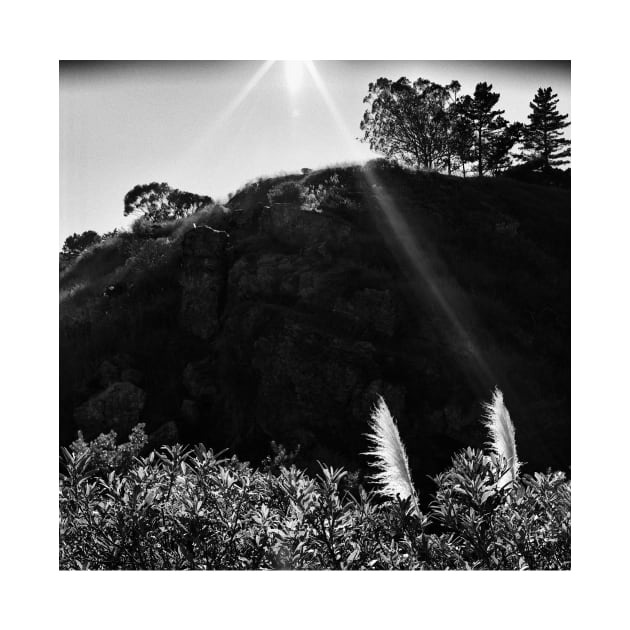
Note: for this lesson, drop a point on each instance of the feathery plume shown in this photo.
(393, 474)
(497, 420)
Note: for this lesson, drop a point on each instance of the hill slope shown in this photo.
(283, 324)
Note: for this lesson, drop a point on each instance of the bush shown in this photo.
(105, 455)
(331, 194)
(286, 192)
(192, 509)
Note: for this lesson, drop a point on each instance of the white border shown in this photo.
(39, 34)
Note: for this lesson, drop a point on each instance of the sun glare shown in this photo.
(294, 73)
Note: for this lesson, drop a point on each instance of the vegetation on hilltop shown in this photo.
(426, 125)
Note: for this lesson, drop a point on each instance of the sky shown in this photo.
(208, 127)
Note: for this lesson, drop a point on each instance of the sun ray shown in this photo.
(204, 139)
(406, 243)
(346, 135)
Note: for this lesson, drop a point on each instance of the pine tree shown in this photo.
(498, 154)
(543, 135)
(485, 121)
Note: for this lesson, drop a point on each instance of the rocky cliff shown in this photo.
(261, 322)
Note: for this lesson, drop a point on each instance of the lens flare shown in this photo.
(294, 74)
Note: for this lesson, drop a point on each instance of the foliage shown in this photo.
(427, 125)
(410, 122)
(330, 194)
(286, 192)
(507, 136)
(178, 508)
(159, 202)
(527, 526)
(77, 243)
(543, 134)
(486, 122)
(461, 142)
(105, 455)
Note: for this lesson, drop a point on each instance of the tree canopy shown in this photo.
(410, 122)
(427, 125)
(76, 243)
(160, 202)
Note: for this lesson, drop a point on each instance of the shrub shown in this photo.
(286, 192)
(179, 508)
(105, 455)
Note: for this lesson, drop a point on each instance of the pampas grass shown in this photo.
(502, 441)
(393, 476)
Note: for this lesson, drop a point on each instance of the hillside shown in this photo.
(284, 324)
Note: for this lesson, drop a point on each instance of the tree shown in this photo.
(76, 243)
(485, 121)
(159, 202)
(452, 117)
(408, 121)
(462, 141)
(543, 135)
(498, 155)
(150, 199)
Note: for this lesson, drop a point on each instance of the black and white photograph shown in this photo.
(315, 315)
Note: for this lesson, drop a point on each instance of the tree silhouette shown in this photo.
(159, 202)
(485, 121)
(76, 243)
(498, 154)
(452, 129)
(543, 137)
(461, 140)
(409, 122)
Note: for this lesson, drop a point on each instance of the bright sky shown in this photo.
(209, 127)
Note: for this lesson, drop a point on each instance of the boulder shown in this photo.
(118, 408)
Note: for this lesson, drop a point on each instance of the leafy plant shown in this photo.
(182, 508)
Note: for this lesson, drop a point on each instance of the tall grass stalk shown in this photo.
(502, 434)
(393, 476)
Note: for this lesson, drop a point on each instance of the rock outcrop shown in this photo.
(204, 265)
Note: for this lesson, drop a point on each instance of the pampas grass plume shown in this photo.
(502, 435)
(393, 476)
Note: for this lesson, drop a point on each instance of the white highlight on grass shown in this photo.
(390, 458)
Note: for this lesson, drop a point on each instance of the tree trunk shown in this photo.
(479, 167)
